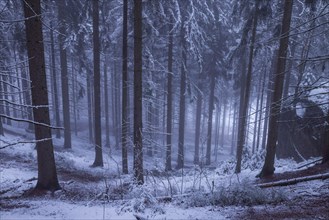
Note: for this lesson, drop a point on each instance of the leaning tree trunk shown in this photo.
(47, 175)
(97, 88)
(268, 168)
(138, 93)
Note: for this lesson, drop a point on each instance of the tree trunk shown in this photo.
(125, 135)
(138, 93)
(13, 97)
(288, 72)
(210, 114)
(169, 96)
(26, 87)
(268, 168)
(53, 67)
(106, 104)
(90, 108)
(198, 126)
(234, 127)
(97, 88)
(325, 139)
(181, 129)
(268, 98)
(257, 115)
(5, 92)
(74, 98)
(19, 84)
(222, 140)
(2, 110)
(261, 110)
(245, 97)
(64, 75)
(217, 129)
(47, 175)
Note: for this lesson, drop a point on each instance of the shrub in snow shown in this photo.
(226, 167)
(251, 160)
(142, 198)
(236, 194)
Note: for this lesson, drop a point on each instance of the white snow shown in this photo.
(84, 196)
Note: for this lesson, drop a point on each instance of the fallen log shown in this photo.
(310, 163)
(294, 180)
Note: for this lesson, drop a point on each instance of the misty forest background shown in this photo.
(183, 82)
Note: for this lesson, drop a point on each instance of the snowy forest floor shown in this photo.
(192, 193)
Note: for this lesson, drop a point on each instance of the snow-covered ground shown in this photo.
(103, 193)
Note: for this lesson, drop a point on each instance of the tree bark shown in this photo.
(217, 129)
(26, 87)
(5, 92)
(169, 96)
(138, 93)
(294, 180)
(261, 110)
(2, 111)
(181, 129)
(53, 67)
(223, 123)
(325, 139)
(97, 86)
(198, 126)
(210, 114)
(246, 96)
(90, 108)
(234, 126)
(257, 114)
(124, 138)
(268, 168)
(106, 104)
(64, 75)
(47, 175)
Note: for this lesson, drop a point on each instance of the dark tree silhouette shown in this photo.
(97, 87)
(53, 69)
(124, 138)
(268, 168)
(245, 96)
(169, 94)
(182, 102)
(64, 74)
(210, 114)
(138, 95)
(47, 175)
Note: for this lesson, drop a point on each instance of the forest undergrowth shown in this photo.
(193, 186)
